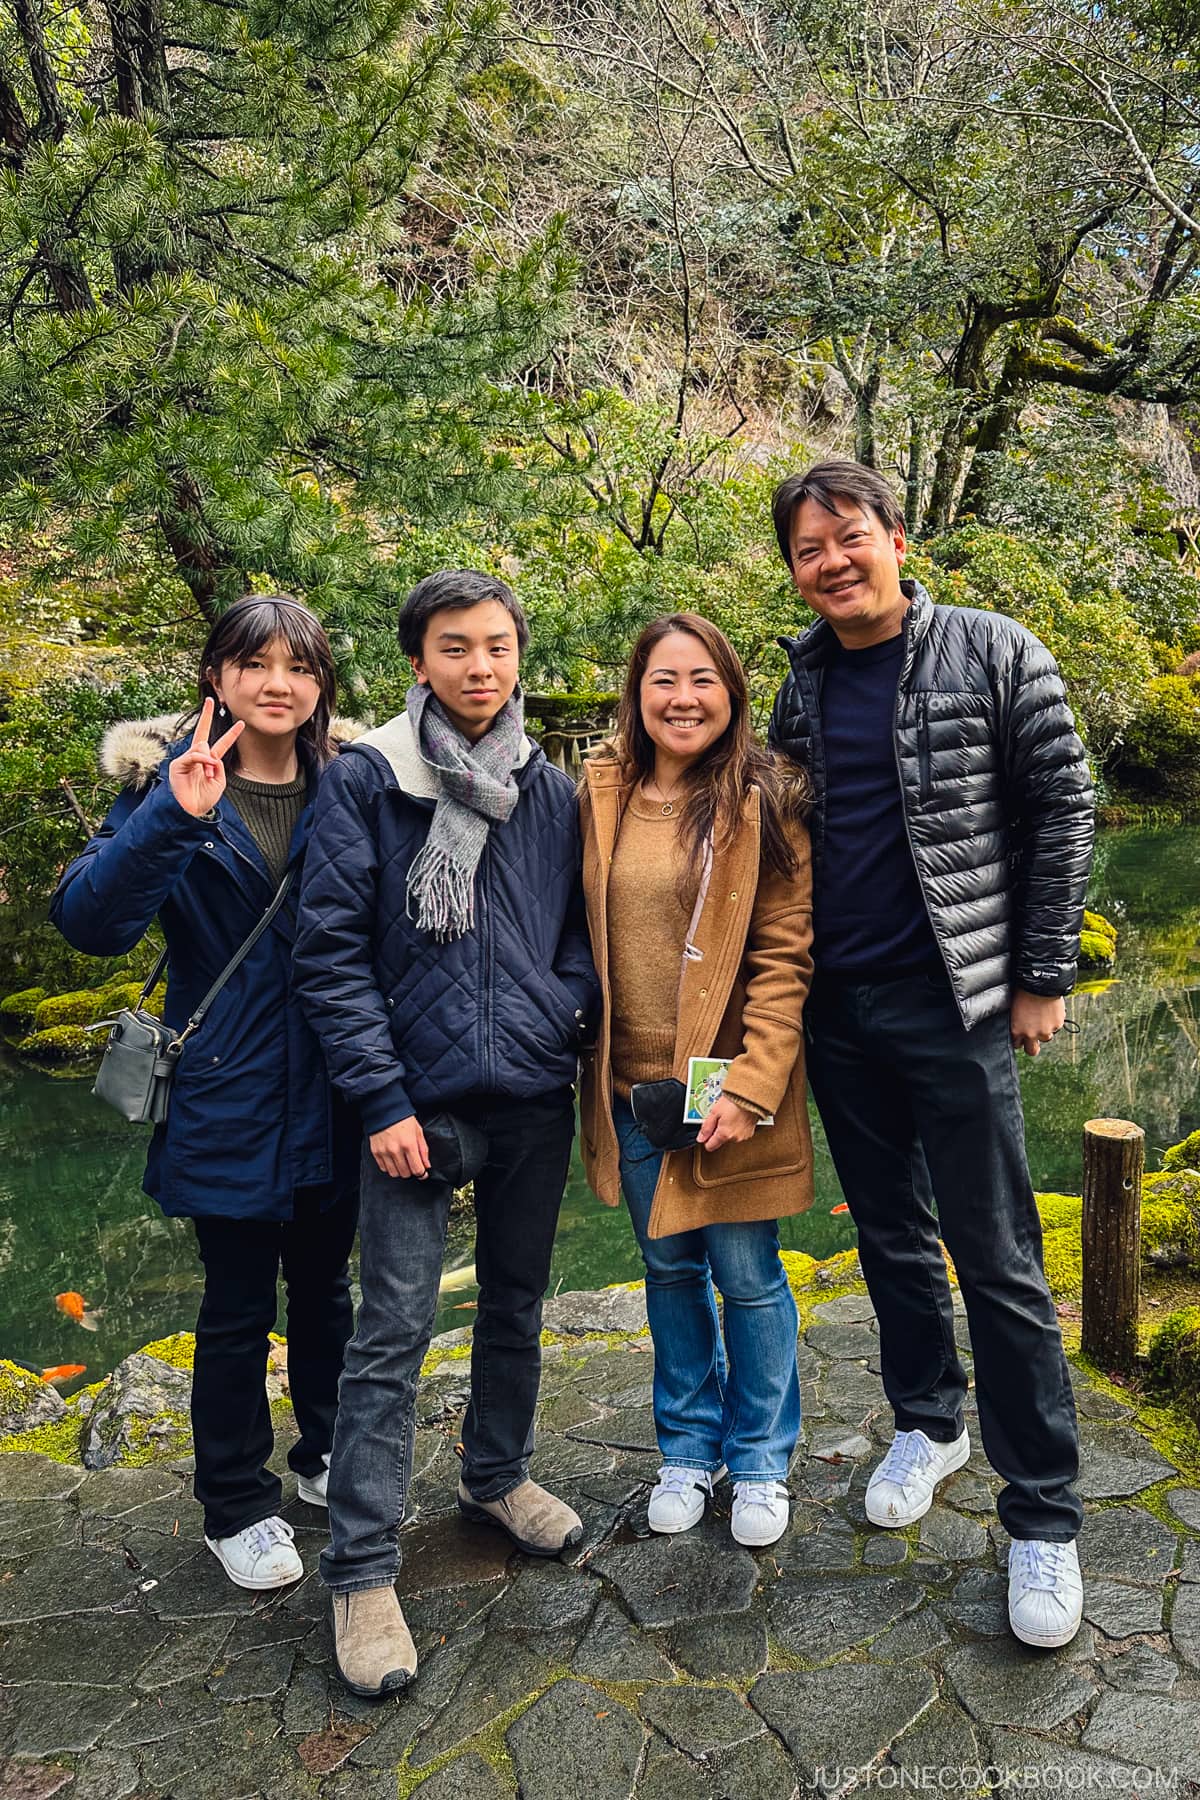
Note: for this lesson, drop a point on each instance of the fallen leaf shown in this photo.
(324, 1750)
(602, 1715)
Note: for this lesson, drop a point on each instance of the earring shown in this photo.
(221, 712)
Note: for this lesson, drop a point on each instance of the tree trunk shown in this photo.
(208, 574)
(914, 485)
(866, 446)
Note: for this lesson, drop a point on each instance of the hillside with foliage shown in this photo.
(323, 297)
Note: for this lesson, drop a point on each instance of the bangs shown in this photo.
(269, 620)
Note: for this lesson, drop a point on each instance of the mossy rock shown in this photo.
(1062, 1258)
(1174, 1360)
(62, 1043)
(118, 994)
(1102, 927)
(17, 1011)
(60, 1439)
(1183, 1156)
(1060, 1211)
(1171, 1213)
(1097, 941)
(179, 1350)
(69, 1009)
(1170, 1229)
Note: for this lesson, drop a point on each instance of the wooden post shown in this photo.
(1114, 1154)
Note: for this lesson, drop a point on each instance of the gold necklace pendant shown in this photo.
(667, 809)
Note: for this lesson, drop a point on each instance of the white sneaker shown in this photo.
(261, 1556)
(314, 1488)
(901, 1489)
(677, 1502)
(760, 1512)
(1045, 1592)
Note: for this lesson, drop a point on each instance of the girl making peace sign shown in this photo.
(256, 1149)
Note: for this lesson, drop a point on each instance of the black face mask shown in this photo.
(658, 1107)
(457, 1151)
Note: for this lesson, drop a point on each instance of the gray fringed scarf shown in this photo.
(476, 788)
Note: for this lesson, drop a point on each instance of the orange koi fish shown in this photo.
(841, 1207)
(64, 1372)
(76, 1307)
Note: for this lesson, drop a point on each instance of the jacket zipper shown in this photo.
(906, 669)
(924, 752)
(487, 1048)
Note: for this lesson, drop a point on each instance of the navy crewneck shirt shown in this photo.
(869, 918)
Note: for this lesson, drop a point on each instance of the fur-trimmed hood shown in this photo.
(132, 750)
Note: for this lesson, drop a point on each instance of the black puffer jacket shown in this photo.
(998, 800)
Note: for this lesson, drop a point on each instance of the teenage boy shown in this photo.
(442, 957)
(952, 835)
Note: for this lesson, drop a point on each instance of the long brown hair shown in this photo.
(246, 628)
(716, 785)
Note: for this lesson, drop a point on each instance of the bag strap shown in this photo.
(232, 966)
(690, 952)
(151, 981)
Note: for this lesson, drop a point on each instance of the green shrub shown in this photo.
(1174, 1359)
(1183, 1156)
(17, 1010)
(62, 1043)
(79, 1008)
(1161, 752)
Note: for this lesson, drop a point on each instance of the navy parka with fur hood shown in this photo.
(410, 1025)
(252, 1115)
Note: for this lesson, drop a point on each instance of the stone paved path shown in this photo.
(665, 1668)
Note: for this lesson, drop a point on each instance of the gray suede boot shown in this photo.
(372, 1646)
(534, 1519)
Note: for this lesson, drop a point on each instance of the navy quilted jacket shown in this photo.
(252, 1116)
(410, 1025)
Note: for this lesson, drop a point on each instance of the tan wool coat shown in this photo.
(743, 999)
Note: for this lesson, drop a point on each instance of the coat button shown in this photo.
(209, 845)
(733, 896)
(703, 991)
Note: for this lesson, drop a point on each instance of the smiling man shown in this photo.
(442, 957)
(952, 837)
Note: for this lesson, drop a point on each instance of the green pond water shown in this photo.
(73, 1216)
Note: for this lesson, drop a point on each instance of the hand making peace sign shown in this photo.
(198, 776)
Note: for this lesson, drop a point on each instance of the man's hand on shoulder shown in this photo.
(1034, 1019)
(401, 1150)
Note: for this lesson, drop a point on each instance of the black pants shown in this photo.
(919, 1110)
(231, 1418)
(518, 1192)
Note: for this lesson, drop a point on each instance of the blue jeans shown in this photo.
(402, 1237)
(735, 1402)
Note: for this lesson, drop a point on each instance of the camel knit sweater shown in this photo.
(647, 926)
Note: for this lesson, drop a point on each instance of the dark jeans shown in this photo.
(518, 1193)
(918, 1111)
(231, 1418)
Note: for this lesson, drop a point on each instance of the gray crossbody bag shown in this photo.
(142, 1054)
